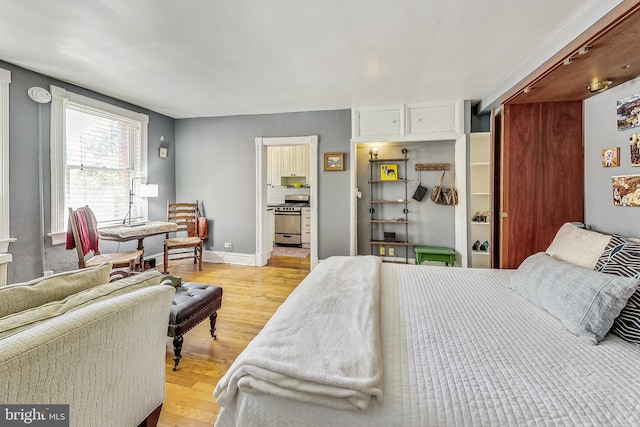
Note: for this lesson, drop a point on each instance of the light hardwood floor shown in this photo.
(251, 296)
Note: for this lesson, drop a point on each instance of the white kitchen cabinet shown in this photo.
(305, 227)
(291, 161)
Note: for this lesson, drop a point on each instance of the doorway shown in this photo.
(265, 214)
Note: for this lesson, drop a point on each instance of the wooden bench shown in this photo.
(435, 253)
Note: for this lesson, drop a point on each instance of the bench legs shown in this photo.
(177, 349)
(212, 320)
(178, 340)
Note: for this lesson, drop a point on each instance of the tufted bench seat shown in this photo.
(192, 303)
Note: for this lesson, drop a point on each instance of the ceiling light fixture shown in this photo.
(599, 86)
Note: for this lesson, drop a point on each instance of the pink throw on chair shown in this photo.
(87, 230)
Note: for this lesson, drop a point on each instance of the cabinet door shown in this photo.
(541, 178)
(380, 122)
(274, 165)
(437, 118)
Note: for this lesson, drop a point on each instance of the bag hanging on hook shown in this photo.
(444, 196)
(420, 191)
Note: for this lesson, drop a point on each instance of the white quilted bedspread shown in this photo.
(461, 349)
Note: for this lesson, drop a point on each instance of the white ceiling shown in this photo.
(196, 58)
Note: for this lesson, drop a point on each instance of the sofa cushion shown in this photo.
(17, 322)
(578, 246)
(23, 296)
(585, 301)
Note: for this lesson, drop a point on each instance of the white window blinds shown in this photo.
(103, 154)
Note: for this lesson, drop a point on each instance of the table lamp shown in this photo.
(144, 190)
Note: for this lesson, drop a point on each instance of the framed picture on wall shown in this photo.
(634, 149)
(626, 190)
(628, 112)
(333, 161)
(610, 157)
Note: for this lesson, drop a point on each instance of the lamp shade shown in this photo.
(148, 190)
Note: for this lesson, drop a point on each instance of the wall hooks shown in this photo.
(433, 166)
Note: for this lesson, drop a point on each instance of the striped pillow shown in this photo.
(622, 257)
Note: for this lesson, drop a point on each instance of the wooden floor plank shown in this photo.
(251, 296)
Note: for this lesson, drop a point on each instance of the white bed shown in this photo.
(460, 348)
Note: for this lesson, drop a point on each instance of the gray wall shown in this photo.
(600, 131)
(23, 176)
(215, 160)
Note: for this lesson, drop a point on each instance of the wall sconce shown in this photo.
(373, 153)
(164, 150)
(599, 86)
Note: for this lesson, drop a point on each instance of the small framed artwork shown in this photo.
(626, 190)
(610, 157)
(389, 172)
(628, 112)
(634, 149)
(333, 161)
(164, 152)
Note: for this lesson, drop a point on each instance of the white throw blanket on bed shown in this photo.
(322, 345)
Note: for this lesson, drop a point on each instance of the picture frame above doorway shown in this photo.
(333, 161)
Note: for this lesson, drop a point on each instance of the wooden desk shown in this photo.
(122, 233)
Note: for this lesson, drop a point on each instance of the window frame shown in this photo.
(60, 97)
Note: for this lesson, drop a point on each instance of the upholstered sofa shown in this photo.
(75, 338)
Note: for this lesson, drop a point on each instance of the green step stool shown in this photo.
(435, 253)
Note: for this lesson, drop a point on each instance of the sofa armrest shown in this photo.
(106, 360)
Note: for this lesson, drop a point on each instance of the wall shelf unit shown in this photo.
(388, 177)
(481, 200)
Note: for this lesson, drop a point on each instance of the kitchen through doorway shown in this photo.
(286, 201)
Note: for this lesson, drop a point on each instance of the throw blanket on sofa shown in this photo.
(322, 345)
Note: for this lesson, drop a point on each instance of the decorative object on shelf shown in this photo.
(634, 149)
(389, 236)
(626, 190)
(444, 196)
(389, 172)
(373, 153)
(333, 161)
(610, 157)
(628, 112)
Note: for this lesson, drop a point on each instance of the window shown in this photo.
(97, 150)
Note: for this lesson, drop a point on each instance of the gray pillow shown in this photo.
(585, 301)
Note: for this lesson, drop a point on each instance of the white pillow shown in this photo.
(578, 246)
(585, 301)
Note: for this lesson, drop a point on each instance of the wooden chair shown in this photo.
(85, 238)
(183, 247)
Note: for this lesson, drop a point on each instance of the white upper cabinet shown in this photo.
(419, 122)
(286, 161)
(428, 119)
(383, 121)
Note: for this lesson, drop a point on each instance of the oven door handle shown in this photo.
(287, 213)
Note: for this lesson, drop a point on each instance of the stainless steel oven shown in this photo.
(288, 227)
(288, 220)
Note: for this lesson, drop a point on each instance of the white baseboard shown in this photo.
(234, 258)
